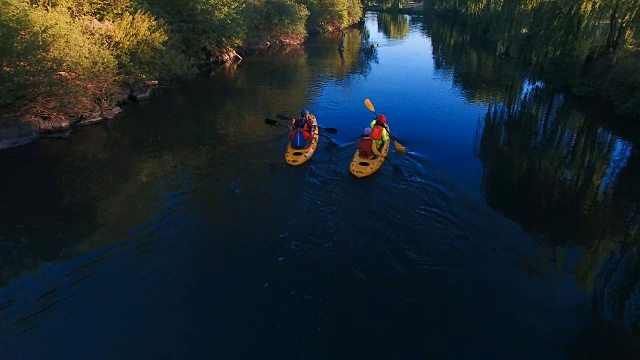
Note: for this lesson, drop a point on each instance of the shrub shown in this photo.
(623, 86)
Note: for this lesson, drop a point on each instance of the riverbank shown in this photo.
(22, 127)
(129, 50)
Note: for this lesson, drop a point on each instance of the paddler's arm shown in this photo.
(375, 149)
(385, 135)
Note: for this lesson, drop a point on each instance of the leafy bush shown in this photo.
(277, 20)
(200, 27)
(78, 52)
(331, 15)
(51, 65)
(87, 67)
(623, 86)
(134, 40)
(99, 9)
(23, 65)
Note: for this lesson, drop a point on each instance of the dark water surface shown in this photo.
(178, 231)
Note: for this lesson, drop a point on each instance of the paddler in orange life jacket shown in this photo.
(366, 146)
(379, 132)
(301, 130)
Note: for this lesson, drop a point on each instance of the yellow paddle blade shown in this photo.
(369, 105)
(399, 147)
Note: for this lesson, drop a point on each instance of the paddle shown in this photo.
(399, 146)
(329, 130)
(277, 123)
(273, 122)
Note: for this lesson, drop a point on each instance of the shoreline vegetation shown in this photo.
(67, 63)
(588, 48)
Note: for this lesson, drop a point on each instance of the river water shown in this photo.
(178, 231)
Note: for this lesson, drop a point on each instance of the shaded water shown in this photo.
(177, 230)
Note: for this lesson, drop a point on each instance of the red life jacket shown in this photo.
(309, 125)
(364, 147)
(376, 132)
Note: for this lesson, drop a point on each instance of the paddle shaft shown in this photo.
(329, 130)
(276, 123)
(369, 106)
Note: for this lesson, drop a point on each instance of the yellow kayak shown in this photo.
(361, 167)
(300, 156)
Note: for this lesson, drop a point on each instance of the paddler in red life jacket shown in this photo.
(379, 132)
(301, 130)
(366, 146)
(310, 124)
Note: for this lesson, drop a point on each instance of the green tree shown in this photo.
(134, 40)
(331, 15)
(25, 70)
(574, 44)
(277, 20)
